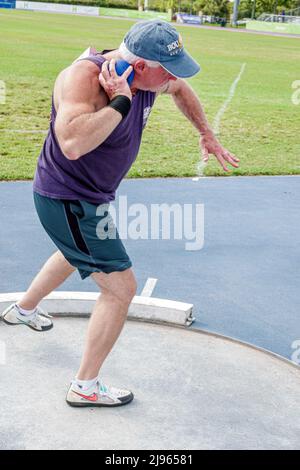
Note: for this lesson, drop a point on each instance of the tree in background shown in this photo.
(220, 7)
(266, 6)
(213, 7)
(207, 7)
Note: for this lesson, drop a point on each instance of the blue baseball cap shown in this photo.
(159, 41)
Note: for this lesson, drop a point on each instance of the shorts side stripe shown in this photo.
(75, 229)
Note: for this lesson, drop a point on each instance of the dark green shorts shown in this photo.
(78, 233)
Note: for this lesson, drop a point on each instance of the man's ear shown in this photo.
(139, 66)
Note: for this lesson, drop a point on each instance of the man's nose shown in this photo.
(171, 77)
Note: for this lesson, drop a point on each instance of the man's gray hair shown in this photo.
(132, 58)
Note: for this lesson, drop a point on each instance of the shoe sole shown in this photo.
(25, 324)
(98, 405)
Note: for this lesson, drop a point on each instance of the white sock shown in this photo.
(25, 312)
(85, 384)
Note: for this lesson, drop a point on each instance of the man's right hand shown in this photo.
(113, 84)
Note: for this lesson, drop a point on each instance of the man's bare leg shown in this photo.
(107, 319)
(54, 272)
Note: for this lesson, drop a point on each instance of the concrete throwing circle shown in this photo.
(192, 391)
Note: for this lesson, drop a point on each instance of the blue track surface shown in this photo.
(245, 281)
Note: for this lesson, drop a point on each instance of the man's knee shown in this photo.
(128, 294)
(124, 295)
(120, 285)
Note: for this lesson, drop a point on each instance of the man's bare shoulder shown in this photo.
(78, 82)
(81, 69)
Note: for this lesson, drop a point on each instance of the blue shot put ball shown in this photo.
(121, 66)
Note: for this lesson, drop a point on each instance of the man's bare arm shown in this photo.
(188, 102)
(79, 127)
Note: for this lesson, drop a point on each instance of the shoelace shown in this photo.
(105, 389)
(42, 313)
(102, 387)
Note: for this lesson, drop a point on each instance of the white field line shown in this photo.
(216, 124)
(149, 287)
(217, 120)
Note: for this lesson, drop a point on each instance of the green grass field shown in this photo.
(261, 125)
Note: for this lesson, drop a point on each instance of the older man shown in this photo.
(96, 126)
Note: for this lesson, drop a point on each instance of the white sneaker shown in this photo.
(99, 395)
(38, 320)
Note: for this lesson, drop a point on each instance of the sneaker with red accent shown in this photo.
(99, 395)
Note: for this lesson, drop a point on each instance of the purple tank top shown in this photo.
(95, 176)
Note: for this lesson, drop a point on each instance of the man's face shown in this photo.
(150, 78)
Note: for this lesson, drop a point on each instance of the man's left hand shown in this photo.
(209, 144)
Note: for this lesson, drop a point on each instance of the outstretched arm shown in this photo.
(189, 104)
